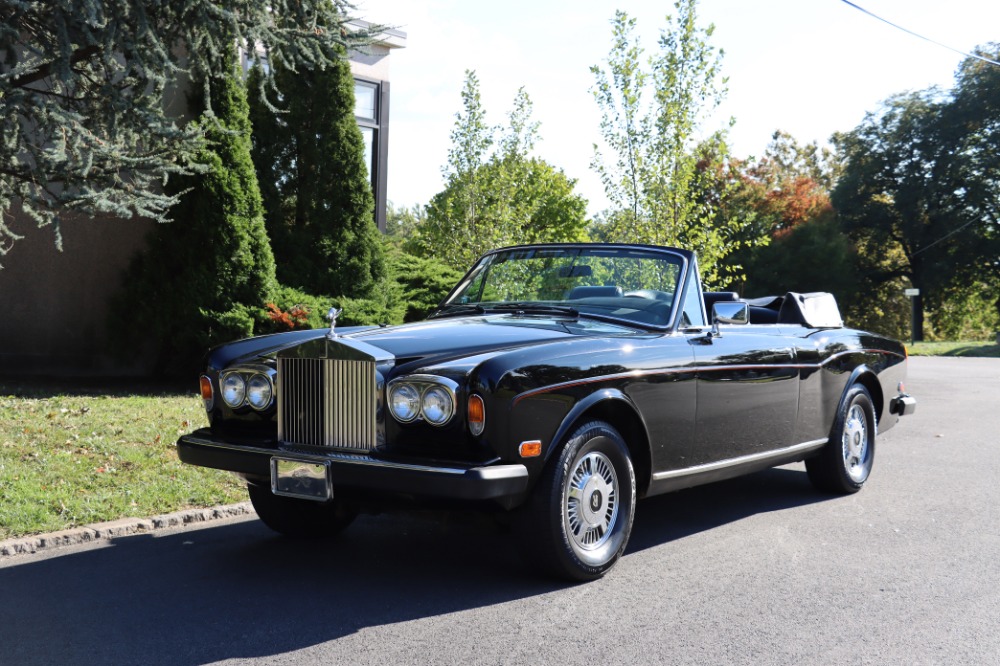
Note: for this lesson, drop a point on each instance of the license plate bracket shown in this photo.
(301, 479)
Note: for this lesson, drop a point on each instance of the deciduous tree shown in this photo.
(656, 166)
(497, 193)
(921, 178)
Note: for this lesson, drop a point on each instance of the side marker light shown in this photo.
(207, 394)
(477, 415)
(530, 449)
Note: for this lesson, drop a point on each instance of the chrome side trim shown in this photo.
(743, 460)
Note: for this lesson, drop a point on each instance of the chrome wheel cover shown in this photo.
(590, 503)
(855, 444)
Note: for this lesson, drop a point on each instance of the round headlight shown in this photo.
(234, 389)
(259, 392)
(438, 405)
(404, 401)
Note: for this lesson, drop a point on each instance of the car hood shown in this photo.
(430, 341)
(449, 338)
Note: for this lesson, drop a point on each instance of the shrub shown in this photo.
(423, 282)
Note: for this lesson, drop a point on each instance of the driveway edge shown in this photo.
(119, 528)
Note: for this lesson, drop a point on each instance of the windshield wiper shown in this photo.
(458, 309)
(535, 308)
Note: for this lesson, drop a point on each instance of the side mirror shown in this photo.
(731, 313)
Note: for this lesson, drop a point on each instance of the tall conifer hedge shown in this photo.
(311, 160)
(206, 277)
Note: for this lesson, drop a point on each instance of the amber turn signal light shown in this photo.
(531, 449)
(207, 395)
(477, 415)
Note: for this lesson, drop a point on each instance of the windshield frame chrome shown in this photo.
(683, 258)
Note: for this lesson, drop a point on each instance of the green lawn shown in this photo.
(71, 457)
(988, 349)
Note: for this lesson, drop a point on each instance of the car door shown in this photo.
(747, 392)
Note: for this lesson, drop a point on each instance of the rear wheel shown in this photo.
(298, 517)
(846, 461)
(579, 519)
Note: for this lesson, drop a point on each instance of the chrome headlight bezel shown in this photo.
(437, 404)
(233, 388)
(241, 381)
(409, 397)
(259, 385)
(436, 399)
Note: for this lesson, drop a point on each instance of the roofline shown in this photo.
(388, 37)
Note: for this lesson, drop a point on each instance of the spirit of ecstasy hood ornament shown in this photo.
(332, 316)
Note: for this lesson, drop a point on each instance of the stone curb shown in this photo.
(119, 528)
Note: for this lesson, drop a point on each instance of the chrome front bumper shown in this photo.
(487, 482)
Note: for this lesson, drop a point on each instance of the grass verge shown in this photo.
(980, 349)
(71, 457)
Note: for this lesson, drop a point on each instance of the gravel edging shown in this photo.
(119, 528)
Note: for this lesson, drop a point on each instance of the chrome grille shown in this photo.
(327, 402)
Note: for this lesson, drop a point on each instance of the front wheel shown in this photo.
(299, 518)
(845, 463)
(579, 519)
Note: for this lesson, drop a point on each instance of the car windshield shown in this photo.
(625, 284)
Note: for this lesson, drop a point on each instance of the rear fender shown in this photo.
(866, 377)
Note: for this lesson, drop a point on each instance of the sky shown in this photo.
(808, 67)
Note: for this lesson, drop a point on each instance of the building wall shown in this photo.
(55, 303)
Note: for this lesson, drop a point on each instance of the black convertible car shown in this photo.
(558, 384)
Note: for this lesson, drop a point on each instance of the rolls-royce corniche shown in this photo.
(557, 385)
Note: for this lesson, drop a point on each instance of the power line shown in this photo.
(919, 36)
(945, 237)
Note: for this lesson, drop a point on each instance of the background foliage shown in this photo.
(88, 114)
(666, 182)
(920, 193)
(496, 193)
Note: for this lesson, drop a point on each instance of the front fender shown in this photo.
(561, 414)
(594, 402)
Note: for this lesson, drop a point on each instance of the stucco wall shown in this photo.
(55, 303)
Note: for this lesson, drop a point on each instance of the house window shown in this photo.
(368, 136)
(371, 109)
(365, 101)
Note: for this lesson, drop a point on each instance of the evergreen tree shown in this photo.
(320, 208)
(204, 281)
(87, 119)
